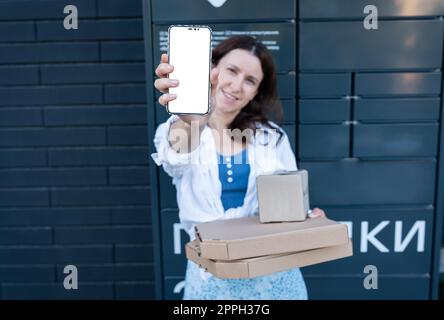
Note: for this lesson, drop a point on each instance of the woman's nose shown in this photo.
(236, 84)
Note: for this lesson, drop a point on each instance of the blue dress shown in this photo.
(199, 285)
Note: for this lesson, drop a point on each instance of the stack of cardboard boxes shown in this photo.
(248, 247)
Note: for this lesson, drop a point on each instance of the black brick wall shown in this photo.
(74, 178)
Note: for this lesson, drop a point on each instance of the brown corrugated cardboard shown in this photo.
(283, 196)
(254, 267)
(247, 237)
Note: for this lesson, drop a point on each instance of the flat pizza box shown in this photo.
(260, 266)
(247, 237)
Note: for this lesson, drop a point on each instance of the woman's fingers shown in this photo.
(163, 84)
(163, 70)
(317, 213)
(164, 58)
(165, 98)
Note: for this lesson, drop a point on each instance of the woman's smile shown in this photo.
(230, 98)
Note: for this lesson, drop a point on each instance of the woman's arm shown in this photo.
(184, 135)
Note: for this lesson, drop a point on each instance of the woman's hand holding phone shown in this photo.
(163, 84)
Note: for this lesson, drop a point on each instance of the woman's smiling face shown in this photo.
(240, 74)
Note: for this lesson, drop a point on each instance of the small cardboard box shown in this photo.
(254, 267)
(247, 237)
(283, 196)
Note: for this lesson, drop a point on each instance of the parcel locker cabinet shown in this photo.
(326, 141)
(378, 182)
(393, 110)
(339, 9)
(383, 237)
(324, 85)
(396, 140)
(394, 95)
(363, 108)
(167, 196)
(273, 35)
(395, 136)
(324, 110)
(347, 45)
(173, 287)
(191, 11)
(174, 239)
(402, 84)
(273, 25)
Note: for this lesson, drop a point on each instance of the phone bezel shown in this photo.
(209, 73)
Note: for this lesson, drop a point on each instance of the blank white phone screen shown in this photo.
(190, 54)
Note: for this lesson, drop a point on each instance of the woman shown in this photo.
(214, 164)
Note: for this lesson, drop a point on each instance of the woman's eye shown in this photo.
(251, 82)
(231, 70)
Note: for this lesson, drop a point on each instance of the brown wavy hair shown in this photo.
(266, 102)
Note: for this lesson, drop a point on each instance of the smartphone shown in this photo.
(189, 52)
